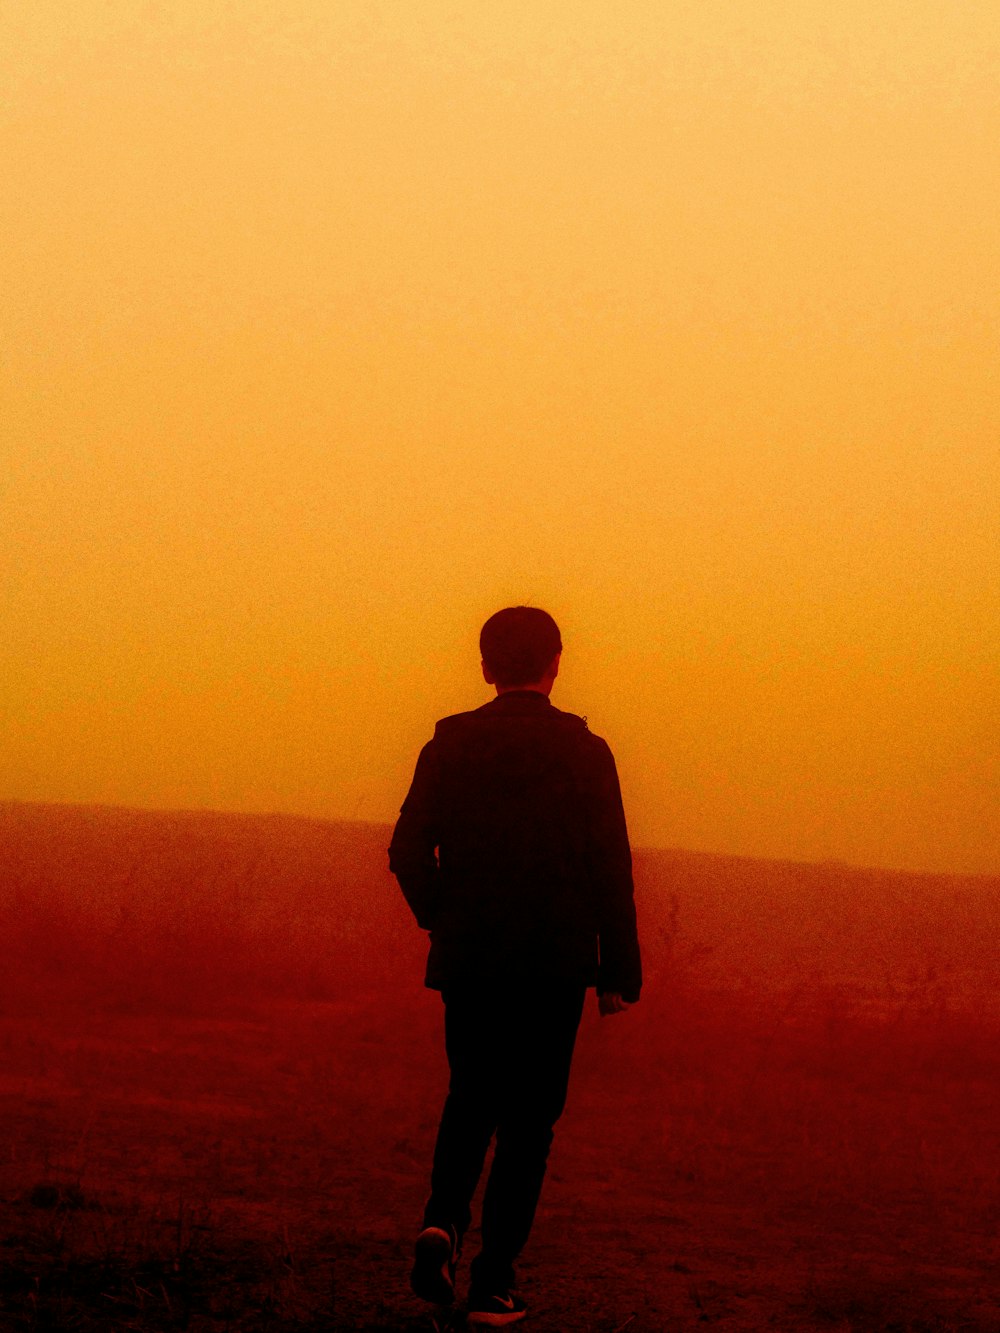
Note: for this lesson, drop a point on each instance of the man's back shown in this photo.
(532, 878)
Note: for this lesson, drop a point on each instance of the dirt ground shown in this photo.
(744, 1150)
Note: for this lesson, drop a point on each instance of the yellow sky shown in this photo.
(329, 328)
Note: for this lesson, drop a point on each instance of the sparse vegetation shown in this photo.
(220, 1084)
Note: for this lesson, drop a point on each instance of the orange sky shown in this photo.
(330, 328)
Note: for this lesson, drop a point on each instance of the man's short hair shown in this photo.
(518, 645)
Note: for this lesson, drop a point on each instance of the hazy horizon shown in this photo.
(330, 330)
(639, 849)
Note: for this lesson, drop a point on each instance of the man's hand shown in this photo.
(612, 1003)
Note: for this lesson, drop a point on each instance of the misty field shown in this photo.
(221, 1075)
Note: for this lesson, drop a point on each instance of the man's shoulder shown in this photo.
(578, 728)
(455, 722)
(569, 724)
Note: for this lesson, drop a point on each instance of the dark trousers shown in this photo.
(509, 1051)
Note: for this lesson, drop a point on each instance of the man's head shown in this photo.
(520, 647)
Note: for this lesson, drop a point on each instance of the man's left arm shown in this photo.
(620, 973)
(412, 856)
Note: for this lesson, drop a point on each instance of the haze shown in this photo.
(331, 328)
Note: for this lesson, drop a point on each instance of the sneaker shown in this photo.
(435, 1258)
(496, 1310)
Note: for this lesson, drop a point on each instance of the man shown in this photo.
(511, 850)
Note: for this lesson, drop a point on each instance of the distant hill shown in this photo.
(148, 903)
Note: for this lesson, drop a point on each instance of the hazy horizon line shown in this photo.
(637, 848)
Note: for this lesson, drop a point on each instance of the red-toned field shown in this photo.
(220, 1079)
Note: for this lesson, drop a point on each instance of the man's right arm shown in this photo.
(412, 856)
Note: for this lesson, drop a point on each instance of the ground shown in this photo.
(776, 1147)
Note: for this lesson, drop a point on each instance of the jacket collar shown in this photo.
(519, 701)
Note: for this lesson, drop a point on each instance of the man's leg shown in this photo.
(533, 1077)
(469, 1118)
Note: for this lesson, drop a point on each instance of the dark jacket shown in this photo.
(511, 849)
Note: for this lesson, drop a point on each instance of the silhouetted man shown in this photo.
(511, 850)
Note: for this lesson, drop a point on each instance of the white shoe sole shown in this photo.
(483, 1319)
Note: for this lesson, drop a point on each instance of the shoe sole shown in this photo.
(430, 1279)
(482, 1319)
